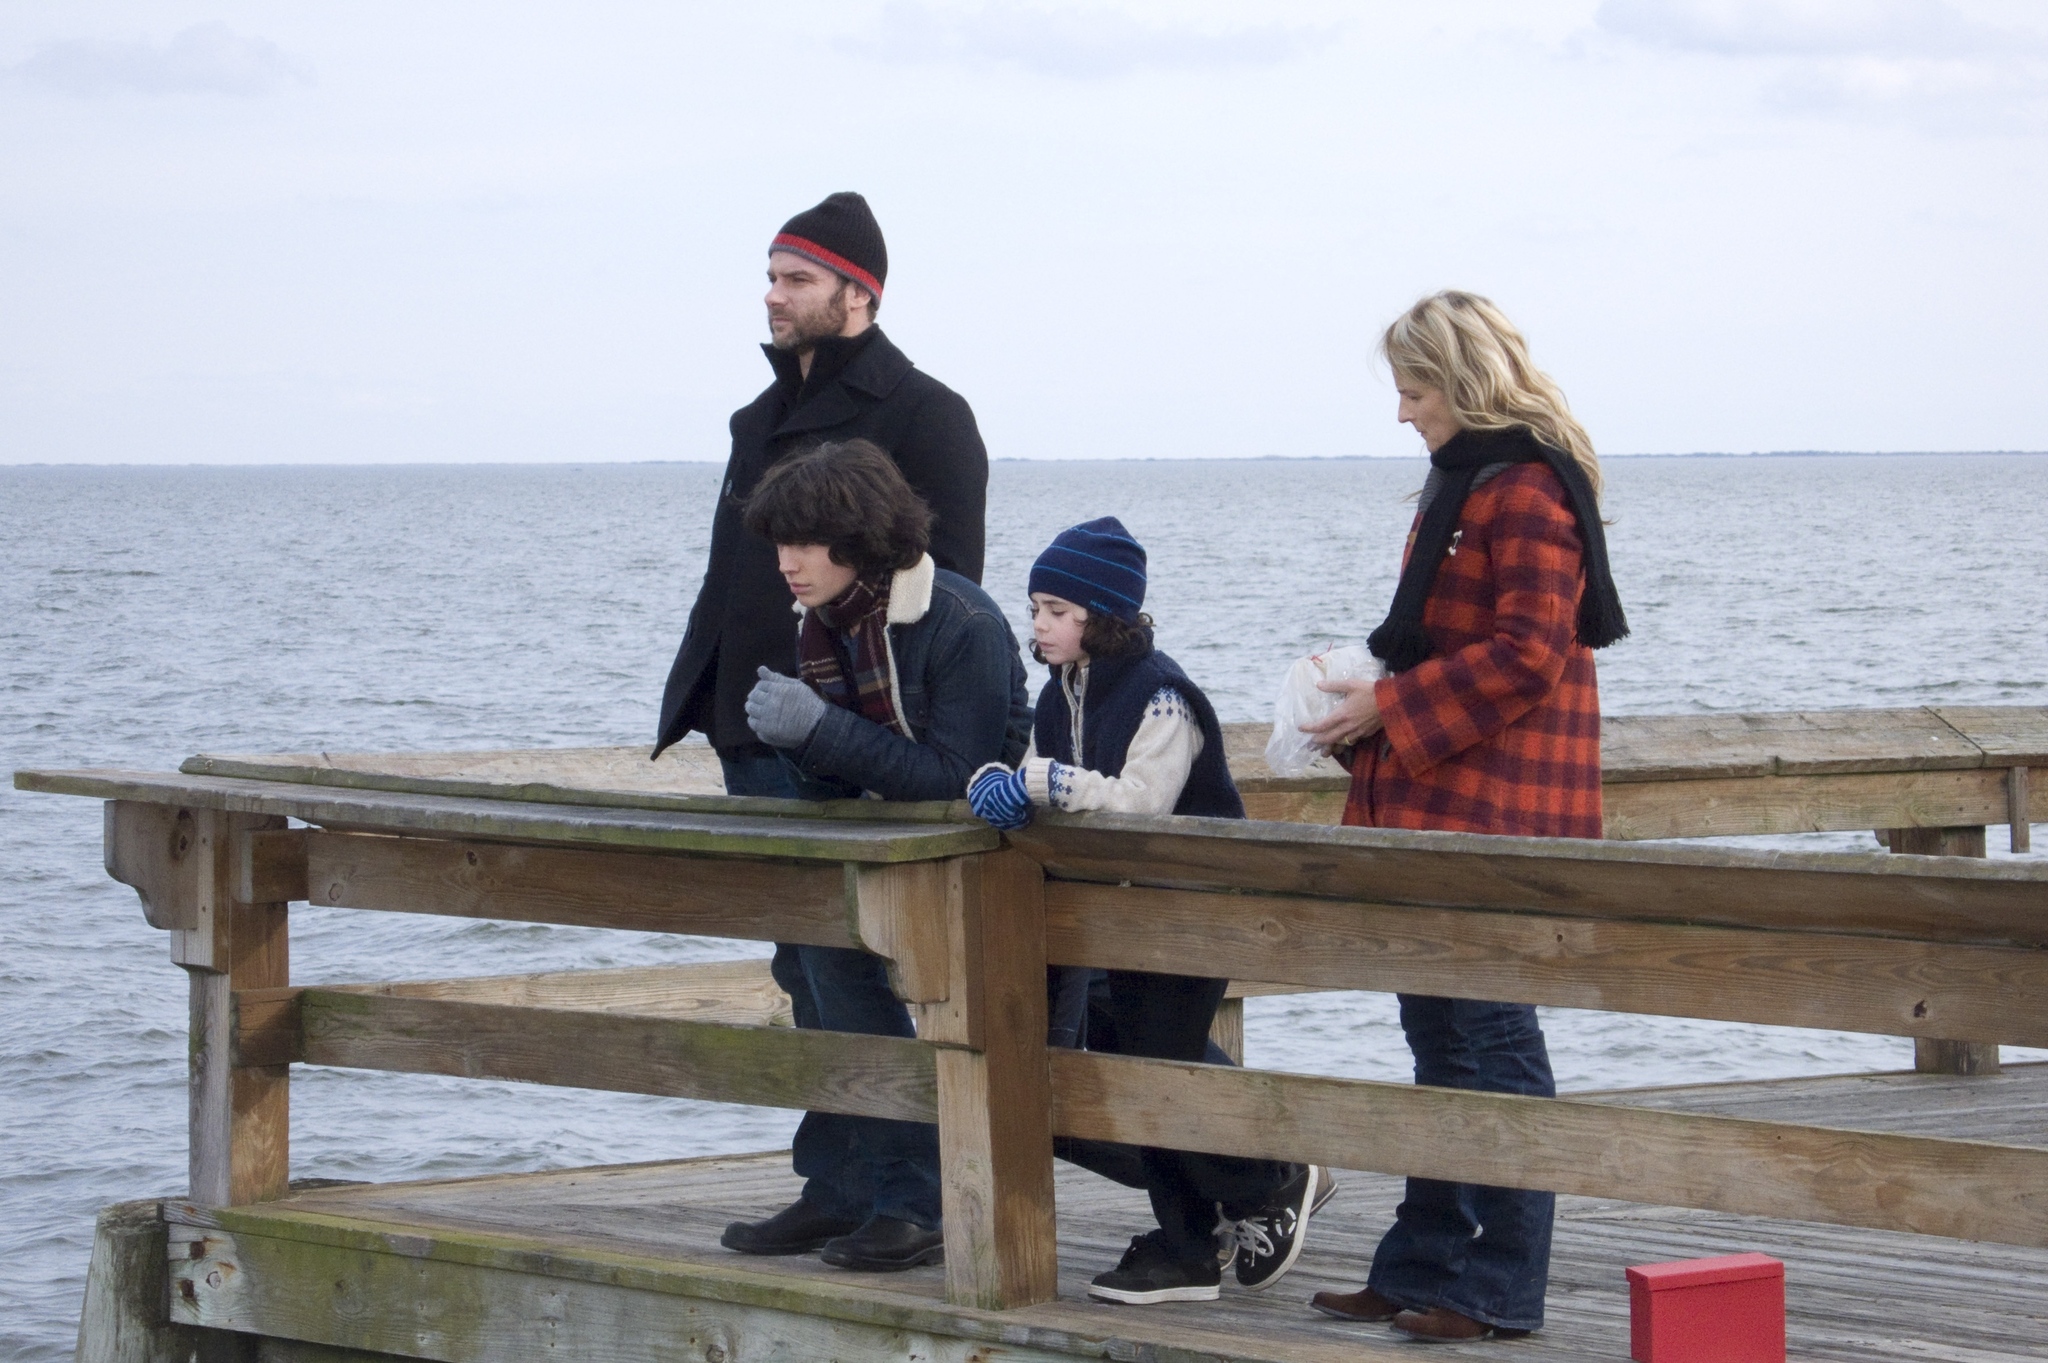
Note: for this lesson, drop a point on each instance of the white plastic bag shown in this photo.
(1290, 752)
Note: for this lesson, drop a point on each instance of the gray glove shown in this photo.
(782, 711)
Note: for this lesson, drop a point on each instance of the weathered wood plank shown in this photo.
(1226, 1029)
(1303, 806)
(123, 1319)
(899, 913)
(869, 1076)
(708, 991)
(268, 1032)
(863, 837)
(1748, 805)
(1782, 743)
(1754, 805)
(149, 848)
(270, 866)
(240, 1116)
(2005, 734)
(1963, 1189)
(995, 1129)
(1937, 900)
(1939, 1053)
(436, 1309)
(762, 900)
(685, 778)
(1861, 984)
(2017, 812)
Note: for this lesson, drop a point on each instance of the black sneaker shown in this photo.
(1269, 1241)
(1148, 1273)
(1226, 1229)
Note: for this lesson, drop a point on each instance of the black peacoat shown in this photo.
(859, 387)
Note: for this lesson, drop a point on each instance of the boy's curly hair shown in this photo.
(848, 496)
(1106, 636)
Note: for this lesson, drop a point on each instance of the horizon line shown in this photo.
(1001, 459)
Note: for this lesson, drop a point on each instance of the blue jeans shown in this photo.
(1483, 1252)
(853, 1167)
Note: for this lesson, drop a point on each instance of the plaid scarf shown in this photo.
(859, 617)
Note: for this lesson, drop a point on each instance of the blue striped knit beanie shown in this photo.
(1097, 565)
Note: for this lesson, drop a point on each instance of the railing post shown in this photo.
(995, 1089)
(1932, 1055)
(2016, 813)
(240, 1117)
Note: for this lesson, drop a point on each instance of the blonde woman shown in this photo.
(1488, 722)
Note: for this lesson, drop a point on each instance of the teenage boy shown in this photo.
(910, 681)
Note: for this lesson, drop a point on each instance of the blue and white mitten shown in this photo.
(997, 795)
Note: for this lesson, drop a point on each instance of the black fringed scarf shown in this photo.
(1400, 641)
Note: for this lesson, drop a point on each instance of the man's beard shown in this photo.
(806, 329)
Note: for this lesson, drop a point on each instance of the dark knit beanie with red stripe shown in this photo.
(842, 235)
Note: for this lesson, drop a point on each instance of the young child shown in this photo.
(910, 681)
(1120, 727)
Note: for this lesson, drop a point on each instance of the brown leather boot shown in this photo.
(1363, 1305)
(1441, 1325)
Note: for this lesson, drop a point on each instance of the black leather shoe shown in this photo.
(798, 1228)
(884, 1244)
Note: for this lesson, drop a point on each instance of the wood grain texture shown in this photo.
(1962, 1189)
(149, 848)
(1931, 1055)
(1857, 1296)
(864, 835)
(270, 866)
(1837, 982)
(239, 1116)
(1939, 1053)
(123, 1319)
(995, 1130)
(1752, 805)
(1951, 899)
(708, 991)
(625, 1311)
(1227, 1029)
(900, 913)
(2005, 734)
(1781, 743)
(869, 1076)
(649, 892)
(2018, 811)
(268, 1029)
(685, 778)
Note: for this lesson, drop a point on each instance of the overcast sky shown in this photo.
(458, 231)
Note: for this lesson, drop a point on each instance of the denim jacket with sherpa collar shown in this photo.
(960, 689)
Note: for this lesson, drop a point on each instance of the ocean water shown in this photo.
(147, 614)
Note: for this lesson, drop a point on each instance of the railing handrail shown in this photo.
(1912, 945)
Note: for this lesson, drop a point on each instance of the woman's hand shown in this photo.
(1356, 716)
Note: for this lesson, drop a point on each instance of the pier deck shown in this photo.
(633, 1250)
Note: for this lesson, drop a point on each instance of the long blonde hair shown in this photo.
(1462, 344)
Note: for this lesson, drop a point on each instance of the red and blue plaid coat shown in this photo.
(1498, 731)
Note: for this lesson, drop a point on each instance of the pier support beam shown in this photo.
(240, 1117)
(1931, 1055)
(995, 1089)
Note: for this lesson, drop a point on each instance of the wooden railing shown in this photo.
(1927, 947)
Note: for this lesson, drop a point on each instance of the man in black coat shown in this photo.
(837, 377)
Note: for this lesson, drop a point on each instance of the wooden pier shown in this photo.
(1912, 1209)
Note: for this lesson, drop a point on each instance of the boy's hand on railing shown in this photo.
(782, 711)
(997, 795)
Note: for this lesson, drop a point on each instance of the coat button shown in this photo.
(1386, 748)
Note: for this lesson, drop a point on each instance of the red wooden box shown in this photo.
(1725, 1310)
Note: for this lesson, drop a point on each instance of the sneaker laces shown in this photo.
(1250, 1234)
